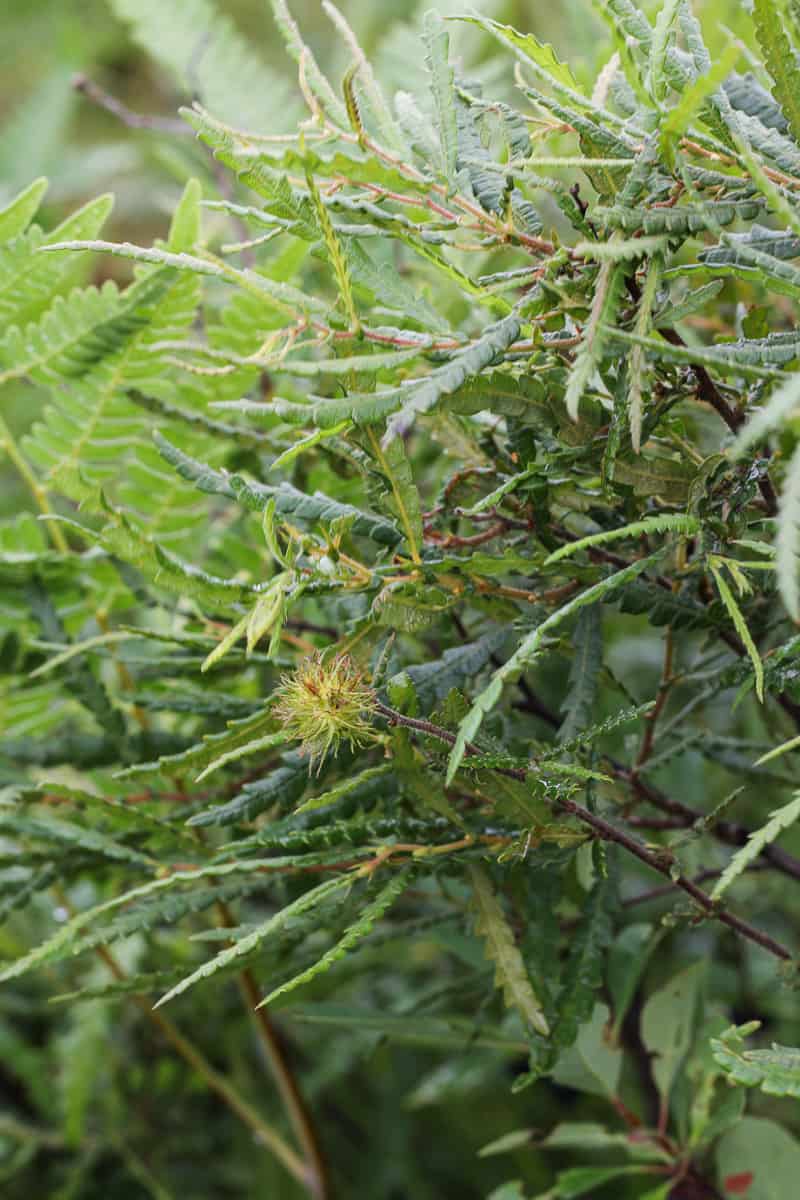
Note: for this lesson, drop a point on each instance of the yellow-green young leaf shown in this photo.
(510, 974)
(184, 230)
(604, 306)
(539, 56)
(227, 643)
(267, 611)
(336, 254)
(305, 443)
(17, 216)
(268, 742)
(636, 361)
(493, 498)
(437, 45)
(735, 613)
(787, 540)
(207, 750)
(344, 787)
(779, 58)
(779, 820)
(777, 751)
(269, 529)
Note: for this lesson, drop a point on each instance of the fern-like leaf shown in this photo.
(780, 819)
(367, 917)
(528, 651)
(607, 293)
(309, 900)
(510, 974)
(233, 81)
(776, 1071)
(780, 60)
(437, 45)
(662, 523)
(787, 540)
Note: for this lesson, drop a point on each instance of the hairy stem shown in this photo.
(661, 861)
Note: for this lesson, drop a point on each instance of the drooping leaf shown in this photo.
(308, 900)
(511, 976)
(368, 916)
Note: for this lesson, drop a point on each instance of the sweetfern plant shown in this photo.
(399, 661)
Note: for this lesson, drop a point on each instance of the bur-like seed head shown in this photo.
(324, 703)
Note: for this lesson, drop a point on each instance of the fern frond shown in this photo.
(437, 45)
(232, 80)
(299, 51)
(735, 613)
(289, 501)
(17, 215)
(28, 283)
(445, 380)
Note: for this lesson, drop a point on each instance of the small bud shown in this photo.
(325, 703)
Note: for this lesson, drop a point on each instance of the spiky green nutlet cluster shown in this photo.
(324, 703)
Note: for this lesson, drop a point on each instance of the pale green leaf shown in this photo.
(511, 976)
(367, 917)
(251, 941)
(787, 539)
(775, 1071)
(780, 819)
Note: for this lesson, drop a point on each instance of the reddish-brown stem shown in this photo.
(661, 861)
(650, 720)
(133, 120)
